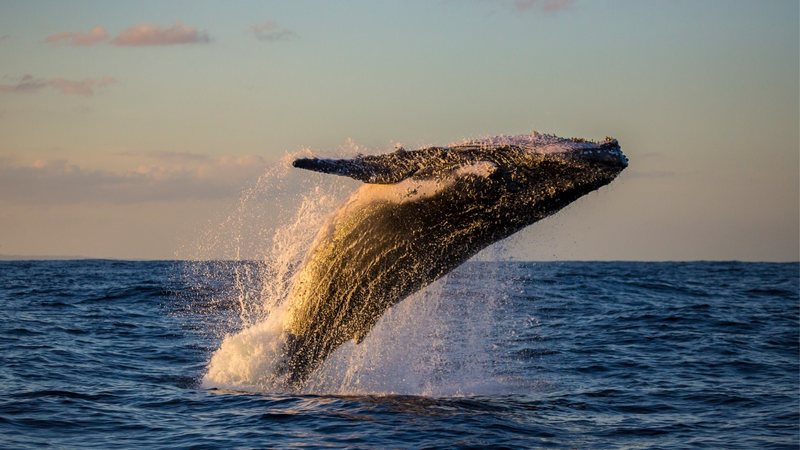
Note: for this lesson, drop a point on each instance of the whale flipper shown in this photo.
(389, 168)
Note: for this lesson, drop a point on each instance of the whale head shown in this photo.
(543, 171)
(500, 175)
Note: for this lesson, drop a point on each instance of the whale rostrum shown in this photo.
(419, 215)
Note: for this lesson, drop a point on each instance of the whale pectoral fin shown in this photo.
(374, 169)
(369, 169)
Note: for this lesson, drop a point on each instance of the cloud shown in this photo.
(168, 157)
(29, 84)
(5, 37)
(149, 35)
(94, 36)
(179, 157)
(25, 84)
(84, 87)
(59, 182)
(272, 32)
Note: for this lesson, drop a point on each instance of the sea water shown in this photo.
(116, 354)
(182, 354)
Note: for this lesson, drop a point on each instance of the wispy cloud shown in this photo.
(25, 84)
(149, 35)
(30, 84)
(272, 32)
(180, 157)
(94, 36)
(166, 157)
(62, 182)
(84, 87)
(5, 37)
(549, 6)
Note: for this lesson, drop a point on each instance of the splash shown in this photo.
(248, 258)
(419, 215)
(437, 342)
(433, 343)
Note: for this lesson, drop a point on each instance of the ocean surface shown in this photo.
(115, 354)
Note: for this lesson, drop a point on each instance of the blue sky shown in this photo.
(121, 148)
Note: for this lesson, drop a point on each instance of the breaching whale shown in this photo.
(419, 215)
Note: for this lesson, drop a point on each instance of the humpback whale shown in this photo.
(419, 215)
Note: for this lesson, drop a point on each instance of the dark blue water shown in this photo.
(110, 354)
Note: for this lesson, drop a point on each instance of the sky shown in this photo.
(128, 127)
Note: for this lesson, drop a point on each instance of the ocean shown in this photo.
(116, 354)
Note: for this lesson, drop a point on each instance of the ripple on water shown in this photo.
(102, 354)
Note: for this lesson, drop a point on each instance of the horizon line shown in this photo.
(13, 258)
